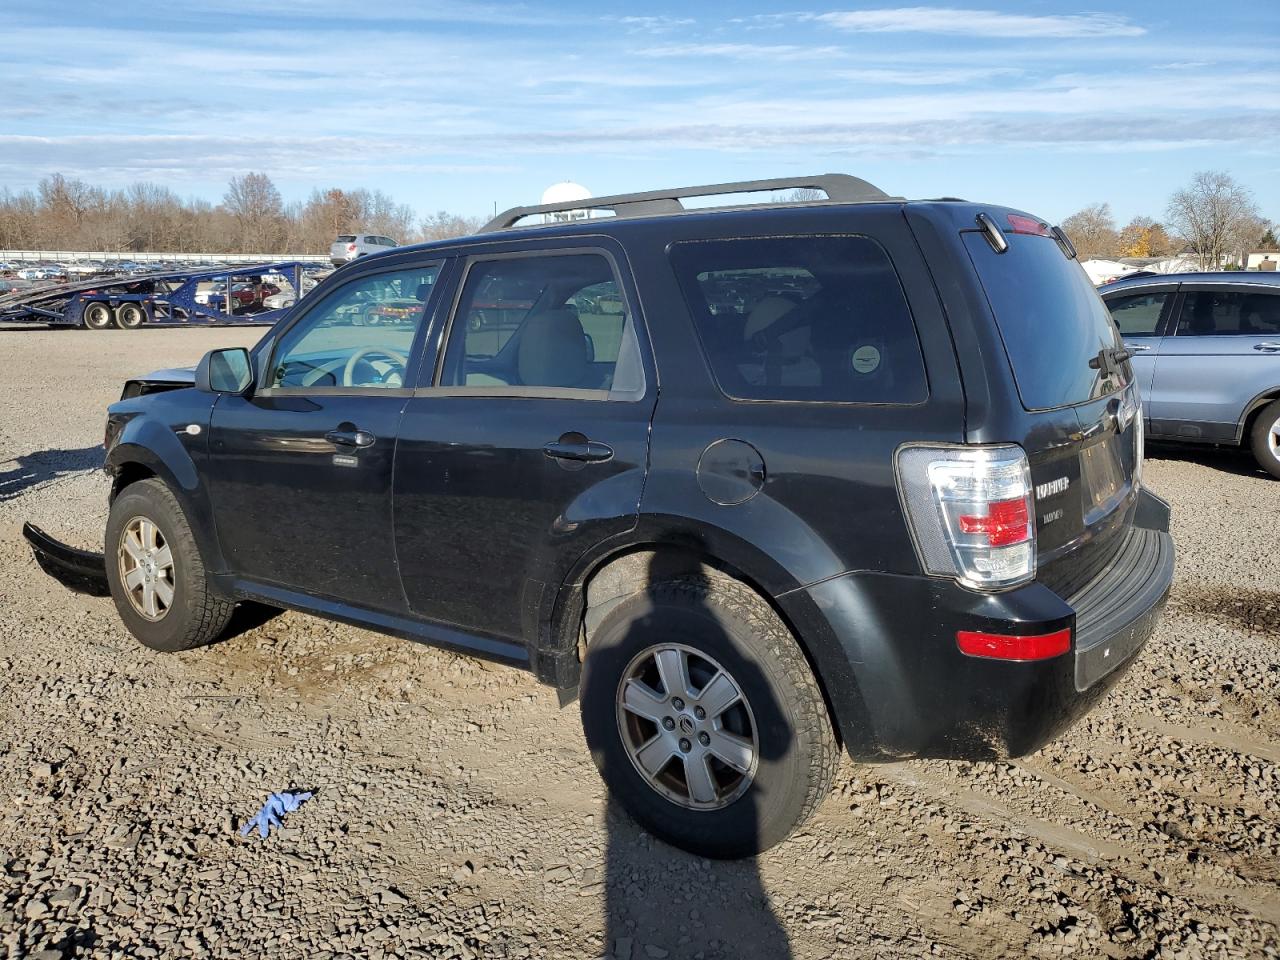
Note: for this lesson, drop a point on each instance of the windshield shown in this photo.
(1057, 332)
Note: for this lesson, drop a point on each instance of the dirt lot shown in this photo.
(457, 813)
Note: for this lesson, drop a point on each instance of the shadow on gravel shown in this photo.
(1236, 460)
(33, 469)
(1254, 611)
(663, 902)
(247, 616)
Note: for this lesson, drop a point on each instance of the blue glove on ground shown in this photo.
(277, 805)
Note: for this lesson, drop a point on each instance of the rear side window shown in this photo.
(1209, 313)
(1051, 319)
(1138, 314)
(814, 318)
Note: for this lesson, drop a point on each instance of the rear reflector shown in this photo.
(998, 646)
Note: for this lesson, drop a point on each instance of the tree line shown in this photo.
(1214, 219)
(63, 213)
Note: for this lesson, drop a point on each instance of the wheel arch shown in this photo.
(1251, 412)
(605, 579)
(131, 461)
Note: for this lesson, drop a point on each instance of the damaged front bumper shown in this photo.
(80, 570)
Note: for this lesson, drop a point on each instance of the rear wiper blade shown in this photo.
(1113, 355)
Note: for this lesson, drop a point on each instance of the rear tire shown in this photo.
(733, 648)
(1265, 438)
(97, 316)
(130, 316)
(156, 574)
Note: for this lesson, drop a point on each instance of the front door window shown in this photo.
(359, 337)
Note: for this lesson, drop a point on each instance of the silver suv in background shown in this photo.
(351, 246)
(1206, 355)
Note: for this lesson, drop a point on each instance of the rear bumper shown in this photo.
(885, 647)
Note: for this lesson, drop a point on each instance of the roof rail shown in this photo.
(837, 186)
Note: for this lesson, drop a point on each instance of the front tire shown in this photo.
(704, 717)
(1265, 438)
(156, 574)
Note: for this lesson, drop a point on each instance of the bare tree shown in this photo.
(1093, 231)
(443, 224)
(63, 213)
(1214, 215)
(255, 203)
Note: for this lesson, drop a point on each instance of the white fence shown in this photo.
(68, 256)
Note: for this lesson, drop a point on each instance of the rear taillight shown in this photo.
(971, 512)
(351, 248)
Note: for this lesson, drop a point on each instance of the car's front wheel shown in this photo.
(704, 718)
(156, 574)
(1266, 438)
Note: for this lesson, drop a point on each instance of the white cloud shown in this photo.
(979, 23)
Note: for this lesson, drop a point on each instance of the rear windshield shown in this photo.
(1051, 319)
(344, 240)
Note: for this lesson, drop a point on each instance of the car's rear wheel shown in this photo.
(1266, 438)
(704, 718)
(97, 316)
(156, 574)
(130, 316)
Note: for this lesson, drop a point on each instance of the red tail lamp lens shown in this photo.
(1028, 225)
(1006, 522)
(996, 646)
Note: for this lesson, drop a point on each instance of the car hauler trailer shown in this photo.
(163, 299)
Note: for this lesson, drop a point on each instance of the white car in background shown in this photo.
(352, 246)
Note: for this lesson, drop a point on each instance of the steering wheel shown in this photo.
(349, 370)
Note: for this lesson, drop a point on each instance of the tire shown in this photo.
(194, 614)
(714, 623)
(1265, 438)
(130, 316)
(97, 316)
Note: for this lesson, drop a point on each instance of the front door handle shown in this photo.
(1137, 347)
(579, 451)
(351, 438)
(1269, 347)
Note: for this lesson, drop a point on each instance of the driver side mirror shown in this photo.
(225, 371)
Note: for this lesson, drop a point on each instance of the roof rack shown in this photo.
(839, 187)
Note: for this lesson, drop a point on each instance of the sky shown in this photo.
(463, 107)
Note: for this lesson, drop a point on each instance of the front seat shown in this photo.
(553, 350)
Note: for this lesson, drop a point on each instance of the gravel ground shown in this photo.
(457, 813)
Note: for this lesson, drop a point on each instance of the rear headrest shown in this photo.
(423, 291)
(553, 350)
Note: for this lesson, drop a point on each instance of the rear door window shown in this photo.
(810, 318)
(543, 325)
(1054, 325)
(1138, 314)
(1216, 313)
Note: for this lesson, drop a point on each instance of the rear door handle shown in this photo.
(579, 451)
(1137, 347)
(1268, 347)
(351, 438)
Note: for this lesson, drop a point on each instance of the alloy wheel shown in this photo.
(146, 568)
(687, 727)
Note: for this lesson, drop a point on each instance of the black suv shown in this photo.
(759, 483)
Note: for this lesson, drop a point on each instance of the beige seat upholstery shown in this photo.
(789, 361)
